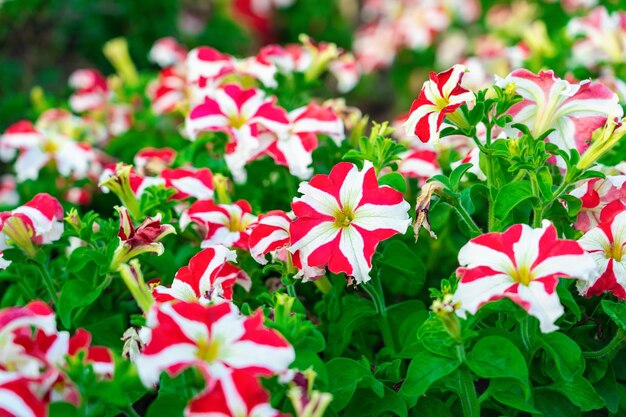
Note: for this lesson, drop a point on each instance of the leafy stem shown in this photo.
(48, 282)
(537, 207)
(467, 393)
(375, 291)
(613, 346)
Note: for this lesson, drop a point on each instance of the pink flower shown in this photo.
(602, 37)
(294, 150)
(221, 224)
(213, 338)
(441, 95)
(605, 243)
(522, 264)
(237, 393)
(39, 222)
(209, 277)
(573, 110)
(242, 114)
(8, 191)
(341, 218)
(596, 195)
(167, 52)
(196, 183)
(17, 397)
(288, 58)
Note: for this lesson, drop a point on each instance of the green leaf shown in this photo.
(75, 293)
(457, 174)
(394, 180)
(496, 357)
(428, 406)
(616, 311)
(566, 354)
(424, 370)
(545, 180)
(344, 376)
(510, 196)
(436, 338)
(580, 392)
(553, 404)
(366, 405)
(401, 270)
(509, 392)
(355, 312)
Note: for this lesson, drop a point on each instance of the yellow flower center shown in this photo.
(50, 146)
(344, 217)
(236, 121)
(235, 224)
(441, 102)
(614, 251)
(208, 350)
(522, 275)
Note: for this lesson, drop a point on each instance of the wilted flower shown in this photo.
(135, 241)
(422, 207)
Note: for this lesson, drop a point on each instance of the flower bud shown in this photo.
(116, 51)
(133, 278)
(119, 184)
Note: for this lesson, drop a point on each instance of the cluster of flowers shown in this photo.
(35, 356)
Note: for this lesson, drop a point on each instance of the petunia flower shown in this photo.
(242, 114)
(212, 338)
(270, 234)
(574, 111)
(440, 96)
(167, 52)
(220, 224)
(606, 244)
(596, 194)
(522, 264)
(341, 218)
(38, 222)
(196, 183)
(235, 393)
(209, 277)
(294, 150)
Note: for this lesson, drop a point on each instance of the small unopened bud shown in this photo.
(221, 186)
(119, 184)
(116, 51)
(133, 278)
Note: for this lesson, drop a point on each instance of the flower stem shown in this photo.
(376, 294)
(48, 283)
(537, 207)
(323, 284)
(467, 393)
(465, 216)
(613, 346)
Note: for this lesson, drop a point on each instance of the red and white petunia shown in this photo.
(441, 95)
(8, 191)
(36, 146)
(221, 224)
(574, 111)
(242, 114)
(137, 183)
(167, 52)
(212, 338)
(346, 71)
(196, 183)
(601, 37)
(168, 91)
(522, 264)
(419, 163)
(92, 90)
(154, 160)
(206, 65)
(38, 222)
(341, 218)
(18, 397)
(596, 195)
(236, 393)
(294, 150)
(270, 234)
(288, 58)
(606, 244)
(208, 278)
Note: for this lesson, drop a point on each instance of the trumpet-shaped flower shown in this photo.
(574, 111)
(269, 235)
(167, 52)
(596, 195)
(522, 264)
(606, 244)
(221, 224)
(209, 277)
(211, 338)
(341, 218)
(189, 182)
(440, 96)
(38, 222)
